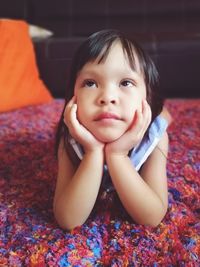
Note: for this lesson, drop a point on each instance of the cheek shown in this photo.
(131, 107)
(133, 104)
(81, 114)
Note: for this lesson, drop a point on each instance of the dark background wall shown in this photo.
(168, 30)
(81, 17)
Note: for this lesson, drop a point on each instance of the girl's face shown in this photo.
(108, 94)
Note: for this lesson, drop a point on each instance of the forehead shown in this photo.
(117, 56)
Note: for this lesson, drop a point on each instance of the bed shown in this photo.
(30, 235)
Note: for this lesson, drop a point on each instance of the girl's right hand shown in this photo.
(77, 130)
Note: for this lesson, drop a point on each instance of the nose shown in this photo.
(107, 96)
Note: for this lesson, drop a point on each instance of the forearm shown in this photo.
(76, 201)
(138, 198)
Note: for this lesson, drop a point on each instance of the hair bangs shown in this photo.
(100, 46)
(130, 53)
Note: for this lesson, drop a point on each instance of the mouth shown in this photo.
(107, 116)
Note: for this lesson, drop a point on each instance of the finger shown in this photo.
(73, 116)
(71, 119)
(67, 110)
(75, 127)
(137, 121)
(142, 120)
(133, 133)
(146, 119)
(70, 104)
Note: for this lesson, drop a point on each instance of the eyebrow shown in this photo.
(87, 73)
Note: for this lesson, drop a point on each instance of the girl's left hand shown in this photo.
(134, 134)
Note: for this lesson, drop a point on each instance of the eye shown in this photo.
(127, 83)
(89, 83)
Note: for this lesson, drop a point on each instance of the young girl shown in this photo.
(112, 124)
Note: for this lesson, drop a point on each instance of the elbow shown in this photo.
(154, 220)
(66, 222)
(157, 215)
(154, 223)
(67, 225)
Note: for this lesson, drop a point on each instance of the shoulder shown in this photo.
(160, 152)
(157, 160)
(166, 115)
(163, 144)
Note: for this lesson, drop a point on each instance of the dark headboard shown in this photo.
(168, 30)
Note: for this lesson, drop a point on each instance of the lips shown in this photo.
(107, 115)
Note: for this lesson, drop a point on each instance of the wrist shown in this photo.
(94, 151)
(95, 156)
(93, 147)
(116, 160)
(110, 152)
(115, 156)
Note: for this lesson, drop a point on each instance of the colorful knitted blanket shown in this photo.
(29, 233)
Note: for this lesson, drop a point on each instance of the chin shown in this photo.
(108, 138)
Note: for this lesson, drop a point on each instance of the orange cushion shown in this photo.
(20, 84)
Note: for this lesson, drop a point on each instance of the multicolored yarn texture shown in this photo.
(29, 234)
